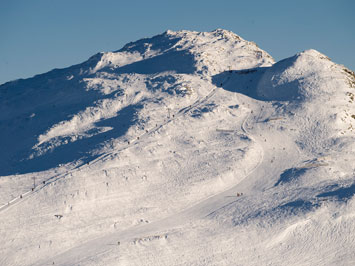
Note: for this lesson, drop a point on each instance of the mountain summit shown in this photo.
(187, 148)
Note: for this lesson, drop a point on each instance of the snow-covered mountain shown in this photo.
(187, 148)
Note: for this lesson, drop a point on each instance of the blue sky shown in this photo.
(39, 35)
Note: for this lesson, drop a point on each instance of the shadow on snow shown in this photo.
(340, 193)
(73, 151)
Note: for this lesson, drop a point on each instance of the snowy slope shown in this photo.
(187, 148)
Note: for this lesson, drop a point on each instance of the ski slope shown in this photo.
(187, 148)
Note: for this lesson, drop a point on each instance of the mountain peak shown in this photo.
(188, 51)
(226, 34)
(312, 54)
(217, 32)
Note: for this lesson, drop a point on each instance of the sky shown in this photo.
(39, 35)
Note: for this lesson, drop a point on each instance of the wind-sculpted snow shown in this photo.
(187, 148)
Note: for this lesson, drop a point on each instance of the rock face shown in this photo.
(180, 147)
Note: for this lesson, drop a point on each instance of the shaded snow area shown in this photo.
(187, 148)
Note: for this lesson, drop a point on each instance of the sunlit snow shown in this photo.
(187, 148)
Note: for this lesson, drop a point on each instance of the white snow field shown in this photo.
(187, 148)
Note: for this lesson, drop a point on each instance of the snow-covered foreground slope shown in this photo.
(186, 148)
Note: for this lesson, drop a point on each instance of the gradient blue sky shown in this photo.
(39, 35)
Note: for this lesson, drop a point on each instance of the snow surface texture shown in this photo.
(188, 148)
